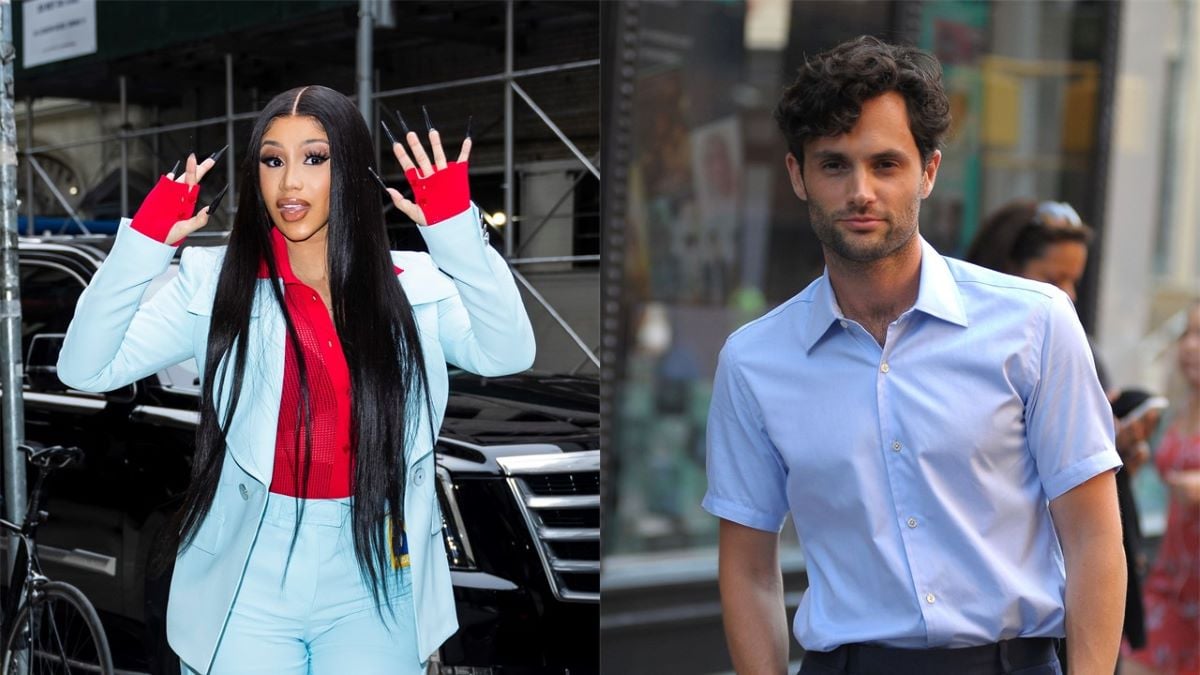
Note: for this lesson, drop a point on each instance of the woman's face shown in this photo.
(1189, 349)
(1061, 265)
(294, 176)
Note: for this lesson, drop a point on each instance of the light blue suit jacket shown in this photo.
(472, 318)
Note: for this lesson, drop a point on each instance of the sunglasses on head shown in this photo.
(1059, 214)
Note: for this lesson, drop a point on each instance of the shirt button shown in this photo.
(885, 368)
(896, 446)
(912, 522)
(314, 298)
(331, 343)
(929, 598)
(245, 493)
(844, 324)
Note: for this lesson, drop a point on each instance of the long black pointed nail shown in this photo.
(403, 124)
(217, 202)
(174, 168)
(379, 180)
(216, 156)
(386, 130)
(428, 122)
(469, 118)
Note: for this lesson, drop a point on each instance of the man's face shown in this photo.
(864, 188)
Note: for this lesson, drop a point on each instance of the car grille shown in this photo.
(565, 483)
(560, 498)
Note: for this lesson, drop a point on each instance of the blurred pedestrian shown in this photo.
(303, 543)
(1173, 585)
(929, 424)
(1048, 241)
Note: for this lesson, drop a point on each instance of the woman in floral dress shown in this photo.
(1172, 590)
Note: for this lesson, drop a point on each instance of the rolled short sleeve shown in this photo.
(1069, 421)
(746, 475)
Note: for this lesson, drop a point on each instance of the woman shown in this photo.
(1173, 585)
(1043, 241)
(309, 539)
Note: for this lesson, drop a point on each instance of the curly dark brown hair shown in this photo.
(827, 97)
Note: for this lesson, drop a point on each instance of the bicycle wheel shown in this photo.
(59, 634)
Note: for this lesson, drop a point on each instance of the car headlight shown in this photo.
(454, 535)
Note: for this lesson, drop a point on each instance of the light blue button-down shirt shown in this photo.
(918, 473)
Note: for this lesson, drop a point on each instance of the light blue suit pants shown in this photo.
(314, 614)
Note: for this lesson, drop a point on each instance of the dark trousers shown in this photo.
(1022, 656)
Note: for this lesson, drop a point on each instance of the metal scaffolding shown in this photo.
(369, 97)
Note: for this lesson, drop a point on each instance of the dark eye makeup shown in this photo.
(313, 158)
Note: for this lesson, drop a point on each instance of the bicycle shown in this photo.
(49, 627)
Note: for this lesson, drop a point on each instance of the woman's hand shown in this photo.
(450, 184)
(1133, 440)
(1185, 486)
(191, 176)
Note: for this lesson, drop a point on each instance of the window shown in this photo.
(49, 293)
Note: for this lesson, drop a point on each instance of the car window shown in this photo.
(48, 295)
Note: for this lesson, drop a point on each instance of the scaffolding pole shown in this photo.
(486, 79)
(513, 86)
(29, 205)
(550, 214)
(11, 375)
(123, 84)
(37, 166)
(373, 128)
(363, 69)
(509, 181)
(562, 323)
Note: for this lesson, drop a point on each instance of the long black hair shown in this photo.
(371, 313)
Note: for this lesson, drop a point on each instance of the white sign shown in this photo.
(55, 30)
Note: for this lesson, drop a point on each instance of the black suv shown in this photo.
(518, 477)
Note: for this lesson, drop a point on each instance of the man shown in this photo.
(930, 425)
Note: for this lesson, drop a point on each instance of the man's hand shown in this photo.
(752, 599)
(1088, 521)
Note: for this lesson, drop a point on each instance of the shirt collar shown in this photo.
(279, 247)
(937, 296)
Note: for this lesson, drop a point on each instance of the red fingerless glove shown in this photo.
(443, 194)
(168, 203)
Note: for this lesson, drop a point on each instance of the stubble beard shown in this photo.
(898, 232)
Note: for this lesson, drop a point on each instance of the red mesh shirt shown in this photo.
(330, 471)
